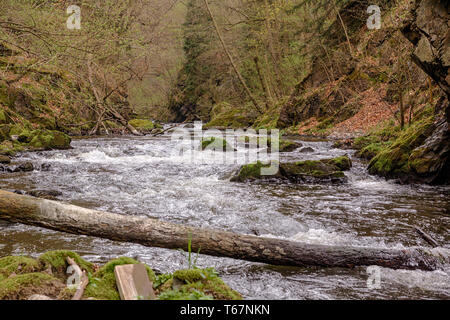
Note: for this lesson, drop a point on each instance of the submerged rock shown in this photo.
(45, 194)
(319, 171)
(306, 150)
(24, 167)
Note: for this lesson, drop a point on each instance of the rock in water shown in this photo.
(306, 150)
(4, 160)
(319, 171)
(45, 194)
(24, 167)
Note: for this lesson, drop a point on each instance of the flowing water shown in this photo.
(143, 176)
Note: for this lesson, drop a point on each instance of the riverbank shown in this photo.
(24, 278)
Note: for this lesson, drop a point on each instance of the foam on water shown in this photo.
(144, 176)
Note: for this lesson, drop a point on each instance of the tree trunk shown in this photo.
(225, 48)
(264, 84)
(154, 233)
(402, 110)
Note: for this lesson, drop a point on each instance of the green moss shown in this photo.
(162, 279)
(58, 261)
(250, 172)
(226, 116)
(184, 294)
(10, 148)
(342, 163)
(47, 140)
(102, 284)
(2, 117)
(142, 124)
(190, 275)
(22, 286)
(216, 144)
(394, 159)
(200, 284)
(17, 265)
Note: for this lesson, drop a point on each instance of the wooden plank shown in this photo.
(133, 282)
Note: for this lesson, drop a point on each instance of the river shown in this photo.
(142, 176)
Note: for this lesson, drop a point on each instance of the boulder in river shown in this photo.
(310, 171)
(306, 150)
(214, 143)
(4, 159)
(45, 194)
(24, 167)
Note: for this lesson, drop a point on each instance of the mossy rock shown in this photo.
(57, 260)
(102, 285)
(20, 287)
(369, 152)
(226, 116)
(4, 159)
(289, 146)
(48, 140)
(18, 265)
(142, 124)
(10, 148)
(393, 161)
(252, 172)
(343, 163)
(199, 284)
(214, 143)
(317, 171)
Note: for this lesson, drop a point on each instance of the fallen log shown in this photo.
(155, 233)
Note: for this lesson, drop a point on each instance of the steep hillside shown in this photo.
(316, 68)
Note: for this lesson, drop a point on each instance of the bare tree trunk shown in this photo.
(264, 84)
(402, 111)
(104, 106)
(156, 233)
(225, 48)
(350, 48)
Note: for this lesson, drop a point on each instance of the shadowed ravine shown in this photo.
(142, 176)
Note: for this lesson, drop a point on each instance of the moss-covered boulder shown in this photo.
(144, 125)
(4, 159)
(225, 116)
(215, 143)
(57, 261)
(394, 160)
(197, 284)
(253, 172)
(20, 287)
(318, 171)
(46, 139)
(17, 265)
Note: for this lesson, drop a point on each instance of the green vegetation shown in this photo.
(326, 170)
(394, 160)
(24, 285)
(102, 284)
(17, 265)
(214, 143)
(198, 284)
(21, 277)
(144, 124)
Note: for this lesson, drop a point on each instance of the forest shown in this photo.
(101, 102)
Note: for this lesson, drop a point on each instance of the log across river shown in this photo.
(155, 233)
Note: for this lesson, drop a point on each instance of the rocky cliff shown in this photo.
(424, 154)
